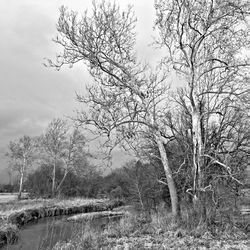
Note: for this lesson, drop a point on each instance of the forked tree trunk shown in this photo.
(170, 181)
(140, 196)
(62, 181)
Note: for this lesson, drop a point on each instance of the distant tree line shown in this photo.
(135, 182)
(58, 152)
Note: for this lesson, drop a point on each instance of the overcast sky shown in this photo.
(30, 94)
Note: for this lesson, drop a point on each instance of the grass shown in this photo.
(94, 216)
(10, 197)
(156, 231)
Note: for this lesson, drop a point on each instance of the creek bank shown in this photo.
(95, 215)
(9, 234)
(10, 221)
(23, 217)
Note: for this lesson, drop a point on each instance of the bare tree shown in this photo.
(126, 99)
(74, 154)
(143, 186)
(65, 146)
(137, 181)
(52, 143)
(21, 154)
(206, 44)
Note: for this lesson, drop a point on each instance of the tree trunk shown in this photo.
(199, 200)
(170, 181)
(54, 179)
(20, 186)
(139, 194)
(23, 167)
(64, 177)
(197, 151)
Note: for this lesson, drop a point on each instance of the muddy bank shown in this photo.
(9, 223)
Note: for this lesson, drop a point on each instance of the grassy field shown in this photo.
(8, 197)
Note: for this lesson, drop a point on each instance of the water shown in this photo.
(46, 232)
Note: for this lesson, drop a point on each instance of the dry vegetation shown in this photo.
(23, 205)
(155, 232)
(8, 233)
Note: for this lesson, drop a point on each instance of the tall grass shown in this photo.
(132, 224)
(155, 224)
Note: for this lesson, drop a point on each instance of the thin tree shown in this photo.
(63, 146)
(205, 43)
(74, 155)
(21, 154)
(52, 142)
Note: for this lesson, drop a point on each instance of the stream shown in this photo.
(46, 232)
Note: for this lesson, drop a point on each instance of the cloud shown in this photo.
(30, 94)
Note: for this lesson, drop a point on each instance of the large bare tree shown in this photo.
(207, 43)
(126, 100)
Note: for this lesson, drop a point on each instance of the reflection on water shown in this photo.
(48, 231)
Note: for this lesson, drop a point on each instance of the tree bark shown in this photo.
(139, 194)
(170, 181)
(20, 186)
(197, 151)
(54, 179)
(64, 177)
(21, 177)
(199, 200)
